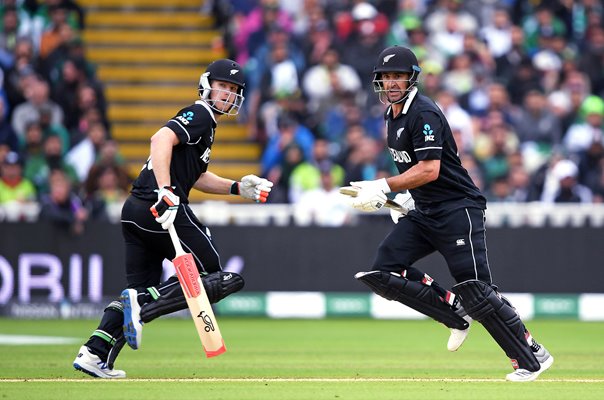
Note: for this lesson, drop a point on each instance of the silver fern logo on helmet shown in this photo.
(234, 71)
(388, 57)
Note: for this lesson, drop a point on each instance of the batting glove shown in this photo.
(376, 185)
(166, 207)
(369, 200)
(406, 202)
(254, 188)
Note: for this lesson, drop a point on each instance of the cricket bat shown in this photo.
(197, 299)
(354, 192)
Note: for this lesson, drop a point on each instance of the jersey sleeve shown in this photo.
(192, 124)
(428, 136)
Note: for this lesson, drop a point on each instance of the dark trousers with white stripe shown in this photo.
(147, 245)
(459, 236)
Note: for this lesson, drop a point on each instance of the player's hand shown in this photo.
(406, 202)
(376, 185)
(369, 200)
(166, 207)
(255, 188)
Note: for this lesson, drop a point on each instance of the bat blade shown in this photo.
(354, 192)
(199, 305)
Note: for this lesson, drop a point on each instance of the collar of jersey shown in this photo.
(207, 107)
(410, 97)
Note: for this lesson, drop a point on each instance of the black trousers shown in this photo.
(147, 244)
(459, 236)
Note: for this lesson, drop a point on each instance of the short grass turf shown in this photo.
(304, 359)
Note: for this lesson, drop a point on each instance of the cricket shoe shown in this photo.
(522, 375)
(133, 326)
(92, 365)
(458, 336)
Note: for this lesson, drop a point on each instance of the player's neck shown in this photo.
(396, 109)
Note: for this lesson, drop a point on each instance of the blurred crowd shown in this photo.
(521, 83)
(55, 143)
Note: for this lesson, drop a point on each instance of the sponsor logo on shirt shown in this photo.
(205, 157)
(186, 117)
(428, 133)
(400, 155)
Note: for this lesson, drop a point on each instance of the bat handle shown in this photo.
(175, 240)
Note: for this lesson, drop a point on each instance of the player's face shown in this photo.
(395, 84)
(223, 95)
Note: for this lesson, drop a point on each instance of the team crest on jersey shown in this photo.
(428, 133)
(205, 157)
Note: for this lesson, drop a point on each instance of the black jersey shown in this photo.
(194, 126)
(421, 132)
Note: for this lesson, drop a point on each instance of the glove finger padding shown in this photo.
(369, 201)
(166, 207)
(255, 188)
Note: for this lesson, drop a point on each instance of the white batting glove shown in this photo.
(166, 207)
(406, 202)
(255, 188)
(378, 184)
(368, 200)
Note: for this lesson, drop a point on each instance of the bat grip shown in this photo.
(175, 240)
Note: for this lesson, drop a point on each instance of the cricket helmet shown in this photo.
(227, 71)
(395, 59)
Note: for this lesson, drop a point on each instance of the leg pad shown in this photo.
(218, 285)
(413, 294)
(486, 306)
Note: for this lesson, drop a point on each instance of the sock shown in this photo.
(108, 332)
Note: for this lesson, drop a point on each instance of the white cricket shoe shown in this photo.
(522, 375)
(92, 365)
(458, 336)
(133, 326)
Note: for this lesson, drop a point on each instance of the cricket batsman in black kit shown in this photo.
(180, 154)
(448, 217)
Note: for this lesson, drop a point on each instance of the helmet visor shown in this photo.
(393, 87)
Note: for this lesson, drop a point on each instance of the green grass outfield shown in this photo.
(304, 359)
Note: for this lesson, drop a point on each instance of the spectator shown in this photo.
(13, 186)
(592, 59)
(7, 133)
(38, 168)
(37, 98)
(253, 28)
(307, 175)
(289, 132)
(83, 155)
(324, 83)
(563, 186)
(535, 123)
(61, 206)
(583, 133)
(323, 205)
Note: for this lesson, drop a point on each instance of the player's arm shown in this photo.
(250, 187)
(162, 143)
(166, 207)
(209, 182)
(423, 172)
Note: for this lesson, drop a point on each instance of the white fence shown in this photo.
(216, 213)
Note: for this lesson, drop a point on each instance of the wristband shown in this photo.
(234, 188)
